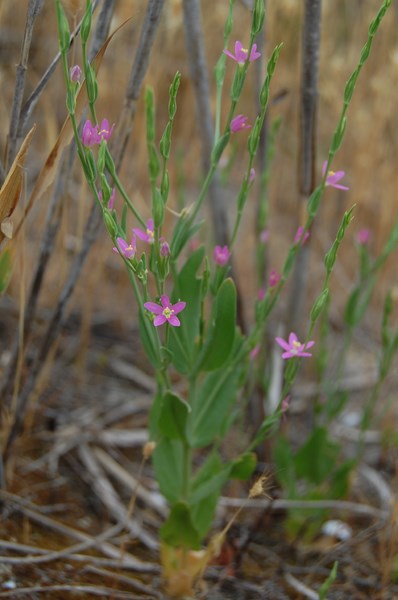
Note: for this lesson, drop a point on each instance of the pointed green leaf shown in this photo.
(167, 462)
(179, 530)
(221, 334)
(212, 405)
(173, 416)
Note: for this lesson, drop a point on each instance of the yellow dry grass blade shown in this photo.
(48, 172)
(12, 187)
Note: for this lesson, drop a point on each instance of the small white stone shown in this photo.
(337, 529)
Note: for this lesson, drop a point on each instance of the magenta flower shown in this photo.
(254, 352)
(274, 278)
(105, 131)
(298, 235)
(261, 294)
(90, 135)
(363, 236)
(164, 249)
(75, 73)
(241, 53)
(148, 235)
(111, 201)
(293, 347)
(333, 177)
(128, 250)
(239, 122)
(166, 312)
(221, 255)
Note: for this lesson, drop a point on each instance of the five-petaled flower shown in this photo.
(239, 122)
(221, 255)
(148, 235)
(128, 250)
(333, 177)
(293, 347)
(241, 53)
(166, 313)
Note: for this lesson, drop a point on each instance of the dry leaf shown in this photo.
(12, 186)
(7, 227)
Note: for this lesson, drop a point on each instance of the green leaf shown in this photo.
(317, 457)
(147, 335)
(325, 587)
(243, 466)
(5, 270)
(205, 491)
(173, 416)
(187, 288)
(221, 334)
(179, 530)
(211, 406)
(167, 462)
(285, 466)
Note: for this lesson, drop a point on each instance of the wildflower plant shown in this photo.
(187, 304)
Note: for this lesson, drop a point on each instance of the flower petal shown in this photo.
(292, 338)
(165, 300)
(174, 321)
(282, 343)
(178, 307)
(159, 320)
(286, 355)
(141, 234)
(153, 308)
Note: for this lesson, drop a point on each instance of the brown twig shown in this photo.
(34, 8)
(31, 102)
(307, 156)
(31, 511)
(138, 71)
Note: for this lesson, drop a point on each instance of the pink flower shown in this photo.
(241, 53)
(111, 201)
(293, 347)
(264, 236)
(255, 351)
(164, 249)
(148, 235)
(252, 175)
(363, 236)
(274, 278)
(239, 122)
(105, 131)
(221, 255)
(75, 73)
(128, 250)
(90, 135)
(261, 294)
(333, 177)
(298, 235)
(166, 312)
